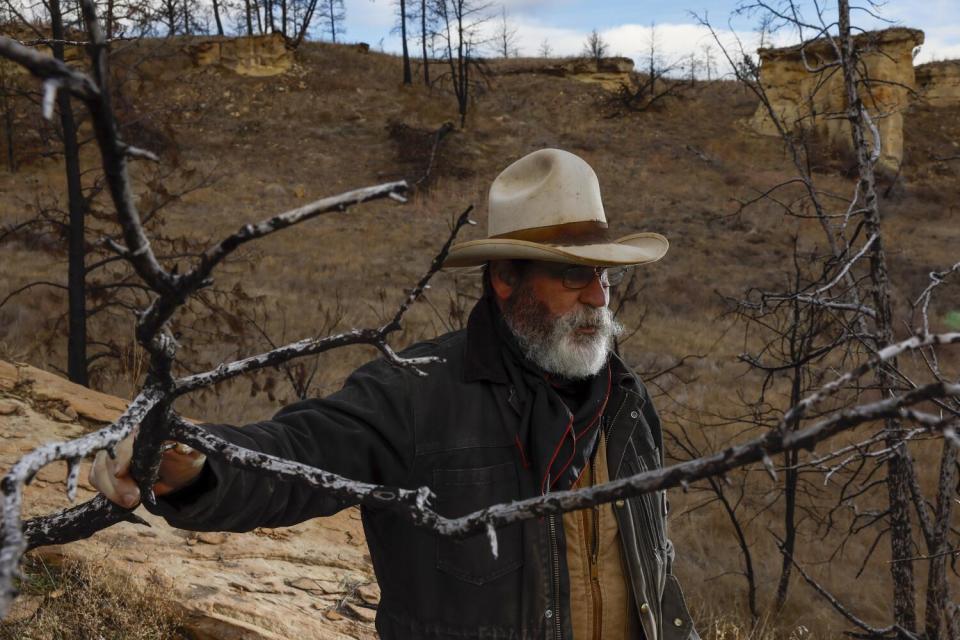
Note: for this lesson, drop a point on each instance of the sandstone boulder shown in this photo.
(264, 585)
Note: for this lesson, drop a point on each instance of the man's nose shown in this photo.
(595, 294)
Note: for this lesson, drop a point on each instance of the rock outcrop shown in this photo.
(938, 83)
(609, 73)
(312, 580)
(812, 101)
(265, 55)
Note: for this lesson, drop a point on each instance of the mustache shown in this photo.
(599, 318)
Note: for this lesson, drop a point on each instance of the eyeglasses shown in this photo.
(580, 277)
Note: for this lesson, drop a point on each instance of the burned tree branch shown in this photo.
(49, 68)
(893, 631)
(681, 474)
(14, 539)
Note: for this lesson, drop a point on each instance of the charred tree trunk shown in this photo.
(460, 80)
(798, 350)
(307, 17)
(936, 617)
(109, 19)
(246, 6)
(216, 16)
(333, 21)
(256, 8)
(898, 482)
(170, 13)
(187, 30)
(76, 270)
(407, 76)
(423, 41)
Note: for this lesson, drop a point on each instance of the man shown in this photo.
(527, 400)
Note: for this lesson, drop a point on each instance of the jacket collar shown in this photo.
(482, 359)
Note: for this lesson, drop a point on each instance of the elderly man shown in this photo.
(527, 400)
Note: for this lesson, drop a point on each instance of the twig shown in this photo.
(875, 632)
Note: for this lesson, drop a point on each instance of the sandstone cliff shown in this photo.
(311, 581)
(610, 73)
(813, 101)
(265, 55)
(938, 83)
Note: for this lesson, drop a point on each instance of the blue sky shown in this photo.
(625, 24)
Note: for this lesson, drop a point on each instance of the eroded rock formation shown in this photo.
(938, 83)
(610, 73)
(815, 101)
(313, 580)
(265, 55)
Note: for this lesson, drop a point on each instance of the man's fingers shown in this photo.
(119, 490)
(179, 466)
(121, 465)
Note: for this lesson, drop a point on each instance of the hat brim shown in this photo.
(631, 250)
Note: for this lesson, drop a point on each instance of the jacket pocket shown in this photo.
(462, 491)
(677, 622)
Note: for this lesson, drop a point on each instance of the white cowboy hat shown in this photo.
(546, 206)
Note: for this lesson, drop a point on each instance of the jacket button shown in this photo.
(620, 502)
(634, 415)
(548, 614)
(644, 608)
(677, 622)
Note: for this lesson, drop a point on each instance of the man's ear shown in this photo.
(503, 278)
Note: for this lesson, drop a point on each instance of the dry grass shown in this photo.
(331, 124)
(85, 601)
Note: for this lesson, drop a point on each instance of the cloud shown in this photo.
(524, 6)
(371, 14)
(676, 41)
(941, 43)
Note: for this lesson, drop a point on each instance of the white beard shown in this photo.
(553, 344)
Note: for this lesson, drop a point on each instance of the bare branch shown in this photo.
(893, 631)
(48, 68)
(14, 542)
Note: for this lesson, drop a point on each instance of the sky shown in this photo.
(626, 25)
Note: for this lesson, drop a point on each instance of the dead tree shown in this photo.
(854, 290)
(595, 47)
(459, 23)
(76, 275)
(402, 19)
(331, 14)
(93, 285)
(505, 37)
(158, 422)
(425, 34)
(216, 17)
(649, 90)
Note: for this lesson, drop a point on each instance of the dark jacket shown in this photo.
(453, 430)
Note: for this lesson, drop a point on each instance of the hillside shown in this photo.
(340, 119)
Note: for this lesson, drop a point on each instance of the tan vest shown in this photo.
(600, 600)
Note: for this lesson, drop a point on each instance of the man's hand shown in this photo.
(179, 467)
